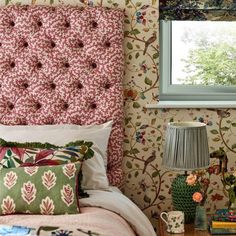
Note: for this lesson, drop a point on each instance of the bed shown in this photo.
(61, 115)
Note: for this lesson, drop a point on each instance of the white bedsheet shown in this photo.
(115, 201)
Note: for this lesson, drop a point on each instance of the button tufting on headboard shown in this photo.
(25, 85)
(38, 105)
(25, 7)
(80, 86)
(12, 23)
(25, 44)
(53, 44)
(10, 105)
(39, 23)
(23, 122)
(12, 64)
(63, 64)
(80, 44)
(107, 44)
(66, 64)
(39, 65)
(52, 86)
(93, 65)
(50, 121)
(94, 24)
(67, 24)
(65, 106)
(107, 86)
(93, 105)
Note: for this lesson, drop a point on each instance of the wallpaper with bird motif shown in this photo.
(146, 182)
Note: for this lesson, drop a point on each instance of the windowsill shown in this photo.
(193, 104)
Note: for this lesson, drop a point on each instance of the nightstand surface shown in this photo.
(189, 231)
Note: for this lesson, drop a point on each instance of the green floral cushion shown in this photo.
(48, 190)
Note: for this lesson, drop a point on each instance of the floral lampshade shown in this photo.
(186, 148)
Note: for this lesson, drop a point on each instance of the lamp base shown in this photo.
(182, 197)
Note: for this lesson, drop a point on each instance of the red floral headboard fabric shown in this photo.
(63, 64)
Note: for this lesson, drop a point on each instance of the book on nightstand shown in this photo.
(223, 222)
(7, 230)
(224, 215)
(222, 231)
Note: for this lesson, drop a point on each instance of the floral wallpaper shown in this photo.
(146, 182)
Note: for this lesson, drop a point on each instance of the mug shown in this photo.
(174, 221)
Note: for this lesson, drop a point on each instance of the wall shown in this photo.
(147, 183)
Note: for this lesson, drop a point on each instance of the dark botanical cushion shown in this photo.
(22, 154)
(48, 190)
(37, 154)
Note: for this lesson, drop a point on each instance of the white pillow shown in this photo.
(94, 172)
(59, 134)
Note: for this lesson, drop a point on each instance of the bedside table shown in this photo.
(189, 230)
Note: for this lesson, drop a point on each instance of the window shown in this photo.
(198, 61)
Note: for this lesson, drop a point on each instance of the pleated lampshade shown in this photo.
(186, 146)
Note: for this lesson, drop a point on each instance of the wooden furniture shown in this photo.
(189, 230)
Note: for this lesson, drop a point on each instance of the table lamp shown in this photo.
(186, 148)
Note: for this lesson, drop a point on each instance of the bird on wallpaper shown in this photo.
(223, 159)
(149, 160)
(221, 112)
(151, 40)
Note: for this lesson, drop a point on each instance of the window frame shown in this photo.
(176, 92)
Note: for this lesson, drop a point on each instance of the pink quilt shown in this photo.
(121, 217)
(92, 221)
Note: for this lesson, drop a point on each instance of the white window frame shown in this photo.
(187, 95)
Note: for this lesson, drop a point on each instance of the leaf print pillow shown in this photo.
(46, 190)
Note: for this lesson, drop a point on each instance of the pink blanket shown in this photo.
(92, 221)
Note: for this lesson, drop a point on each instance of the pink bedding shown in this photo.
(98, 220)
(121, 217)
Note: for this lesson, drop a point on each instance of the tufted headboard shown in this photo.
(63, 65)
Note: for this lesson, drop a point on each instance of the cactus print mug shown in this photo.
(174, 221)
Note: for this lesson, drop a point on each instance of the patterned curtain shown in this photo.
(198, 10)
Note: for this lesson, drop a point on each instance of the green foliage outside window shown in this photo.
(212, 59)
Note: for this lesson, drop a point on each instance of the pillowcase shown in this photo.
(14, 154)
(11, 157)
(47, 190)
(94, 173)
(59, 135)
